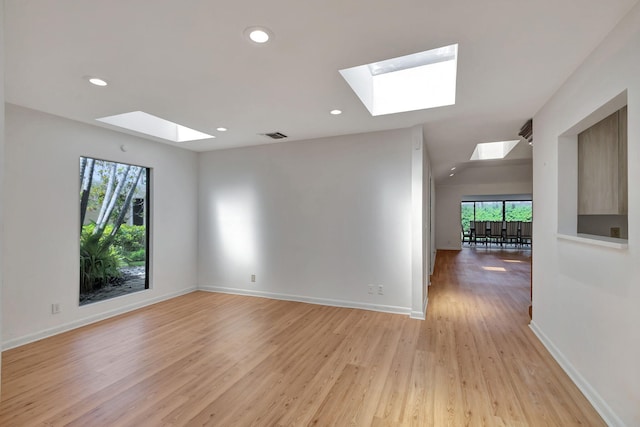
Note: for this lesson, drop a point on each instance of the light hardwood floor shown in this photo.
(224, 360)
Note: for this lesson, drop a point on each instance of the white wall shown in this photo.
(420, 217)
(314, 220)
(432, 223)
(1, 170)
(585, 297)
(448, 198)
(41, 240)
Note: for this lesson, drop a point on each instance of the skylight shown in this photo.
(407, 83)
(142, 122)
(493, 150)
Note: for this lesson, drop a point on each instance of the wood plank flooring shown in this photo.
(224, 360)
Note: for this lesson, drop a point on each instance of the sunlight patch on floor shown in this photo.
(494, 268)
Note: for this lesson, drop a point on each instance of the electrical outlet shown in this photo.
(380, 290)
(371, 289)
(253, 277)
(55, 308)
(615, 232)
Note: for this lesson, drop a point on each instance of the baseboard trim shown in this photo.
(418, 315)
(27, 339)
(421, 315)
(599, 404)
(309, 300)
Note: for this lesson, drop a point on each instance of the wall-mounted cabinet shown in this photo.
(602, 167)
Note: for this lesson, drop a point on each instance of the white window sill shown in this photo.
(590, 239)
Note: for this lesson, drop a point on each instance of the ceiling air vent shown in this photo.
(526, 131)
(276, 135)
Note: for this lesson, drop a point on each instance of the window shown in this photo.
(518, 211)
(114, 232)
(489, 211)
(467, 211)
(493, 210)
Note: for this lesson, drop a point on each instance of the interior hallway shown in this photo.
(215, 359)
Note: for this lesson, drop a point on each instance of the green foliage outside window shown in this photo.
(493, 211)
(466, 210)
(518, 211)
(488, 211)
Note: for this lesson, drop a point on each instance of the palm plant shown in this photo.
(99, 261)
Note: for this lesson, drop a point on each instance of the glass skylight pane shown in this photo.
(184, 134)
(415, 88)
(142, 122)
(493, 150)
(413, 82)
(433, 56)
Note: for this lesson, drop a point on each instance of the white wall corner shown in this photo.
(417, 231)
(2, 132)
(421, 315)
(418, 315)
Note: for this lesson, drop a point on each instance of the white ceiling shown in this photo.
(188, 61)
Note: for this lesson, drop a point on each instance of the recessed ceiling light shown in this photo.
(451, 174)
(97, 81)
(335, 112)
(453, 168)
(258, 35)
(221, 129)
